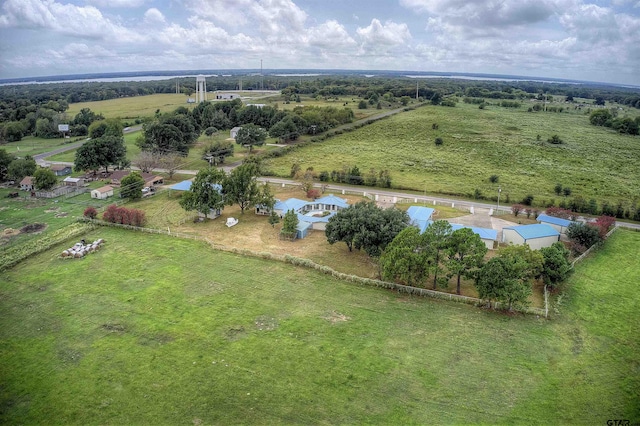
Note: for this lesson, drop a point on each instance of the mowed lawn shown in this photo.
(157, 330)
(594, 162)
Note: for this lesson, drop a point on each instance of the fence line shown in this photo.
(593, 247)
(423, 292)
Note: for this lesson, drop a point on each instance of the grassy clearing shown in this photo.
(160, 322)
(594, 162)
(133, 107)
(30, 145)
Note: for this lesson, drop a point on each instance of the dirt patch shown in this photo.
(235, 333)
(33, 227)
(10, 232)
(266, 323)
(62, 214)
(52, 209)
(334, 317)
(114, 328)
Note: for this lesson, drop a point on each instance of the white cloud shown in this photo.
(378, 37)
(330, 35)
(154, 16)
(117, 3)
(66, 19)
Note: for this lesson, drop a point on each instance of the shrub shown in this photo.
(604, 224)
(527, 200)
(90, 212)
(583, 236)
(560, 212)
(516, 209)
(493, 178)
(555, 139)
(439, 141)
(124, 216)
(313, 193)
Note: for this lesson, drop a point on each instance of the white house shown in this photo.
(535, 236)
(102, 193)
(227, 96)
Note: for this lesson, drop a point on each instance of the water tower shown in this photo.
(201, 89)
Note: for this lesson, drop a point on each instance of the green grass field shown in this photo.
(30, 145)
(158, 330)
(594, 162)
(133, 107)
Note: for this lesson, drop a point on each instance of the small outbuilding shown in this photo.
(302, 229)
(60, 169)
(557, 223)
(26, 184)
(102, 193)
(535, 236)
(234, 132)
(71, 181)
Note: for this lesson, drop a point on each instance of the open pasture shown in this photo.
(593, 161)
(154, 329)
(133, 107)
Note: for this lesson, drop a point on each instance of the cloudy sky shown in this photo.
(596, 40)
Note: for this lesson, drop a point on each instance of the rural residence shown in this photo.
(149, 179)
(312, 215)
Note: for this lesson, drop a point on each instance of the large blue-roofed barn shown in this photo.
(535, 236)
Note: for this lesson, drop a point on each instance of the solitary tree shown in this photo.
(464, 254)
(170, 162)
(131, 186)
(556, 266)
(45, 178)
(146, 161)
(241, 187)
(101, 152)
(250, 135)
(503, 279)
(289, 224)
(437, 237)
(205, 194)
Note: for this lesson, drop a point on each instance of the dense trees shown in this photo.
(364, 226)
(21, 167)
(171, 133)
(5, 160)
(102, 152)
(205, 193)
(405, 259)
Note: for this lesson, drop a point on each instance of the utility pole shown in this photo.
(416, 90)
(261, 77)
(499, 191)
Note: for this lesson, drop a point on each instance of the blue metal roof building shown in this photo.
(559, 224)
(420, 217)
(536, 236)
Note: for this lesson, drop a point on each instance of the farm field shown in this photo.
(133, 107)
(154, 329)
(594, 162)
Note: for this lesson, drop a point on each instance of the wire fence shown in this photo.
(417, 291)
